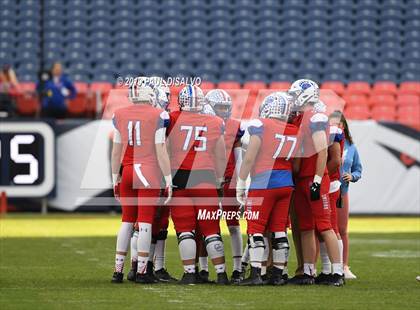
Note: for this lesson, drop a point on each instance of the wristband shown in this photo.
(168, 180)
(220, 180)
(241, 184)
(317, 179)
(115, 178)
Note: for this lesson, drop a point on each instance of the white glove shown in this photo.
(240, 191)
(168, 187)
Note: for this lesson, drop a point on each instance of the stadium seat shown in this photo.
(358, 88)
(408, 100)
(357, 112)
(409, 88)
(27, 87)
(382, 100)
(280, 85)
(206, 85)
(384, 88)
(254, 86)
(410, 116)
(229, 85)
(27, 104)
(355, 100)
(383, 113)
(336, 86)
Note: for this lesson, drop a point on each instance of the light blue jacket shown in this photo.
(351, 164)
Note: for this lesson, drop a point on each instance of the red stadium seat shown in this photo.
(358, 88)
(409, 88)
(103, 87)
(410, 116)
(282, 86)
(355, 100)
(81, 87)
(207, 85)
(381, 100)
(383, 113)
(357, 112)
(229, 85)
(336, 86)
(27, 87)
(254, 86)
(408, 100)
(384, 88)
(27, 104)
(78, 106)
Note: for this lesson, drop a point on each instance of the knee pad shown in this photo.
(185, 235)
(279, 241)
(256, 241)
(212, 238)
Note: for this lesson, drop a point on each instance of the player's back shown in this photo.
(193, 137)
(137, 125)
(311, 122)
(278, 145)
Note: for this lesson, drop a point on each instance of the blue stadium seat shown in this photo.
(361, 76)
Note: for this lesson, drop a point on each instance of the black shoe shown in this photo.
(285, 277)
(336, 280)
(265, 278)
(303, 279)
(222, 279)
(323, 278)
(144, 278)
(149, 271)
(188, 279)
(117, 277)
(202, 277)
(132, 274)
(243, 270)
(277, 277)
(236, 277)
(254, 278)
(163, 276)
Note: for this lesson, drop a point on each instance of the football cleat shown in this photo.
(132, 274)
(348, 275)
(254, 278)
(149, 271)
(163, 276)
(188, 279)
(222, 279)
(336, 280)
(277, 277)
(203, 277)
(117, 277)
(144, 278)
(323, 278)
(236, 277)
(303, 279)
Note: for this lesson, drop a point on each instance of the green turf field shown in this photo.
(66, 261)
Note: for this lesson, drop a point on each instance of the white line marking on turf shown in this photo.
(80, 252)
(397, 254)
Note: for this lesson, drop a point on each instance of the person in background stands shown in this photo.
(351, 171)
(55, 93)
(9, 85)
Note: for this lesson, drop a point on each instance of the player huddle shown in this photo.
(284, 164)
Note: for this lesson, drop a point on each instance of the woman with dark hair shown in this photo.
(351, 171)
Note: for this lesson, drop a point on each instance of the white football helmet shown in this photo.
(219, 98)
(277, 105)
(191, 98)
(303, 92)
(163, 93)
(142, 91)
(208, 110)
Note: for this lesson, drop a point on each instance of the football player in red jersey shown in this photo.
(311, 200)
(139, 147)
(268, 158)
(222, 105)
(198, 159)
(335, 151)
(156, 262)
